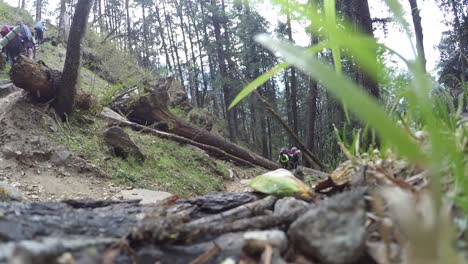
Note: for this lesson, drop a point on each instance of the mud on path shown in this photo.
(32, 159)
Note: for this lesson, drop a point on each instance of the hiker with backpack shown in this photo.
(15, 45)
(283, 158)
(40, 28)
(295, 157)
(28, 40)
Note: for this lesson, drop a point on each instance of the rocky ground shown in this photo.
(34, 161)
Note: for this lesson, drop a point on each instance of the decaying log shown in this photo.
(151, 108)
(35, 77)
(211, 150)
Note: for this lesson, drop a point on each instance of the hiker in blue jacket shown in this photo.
(28, 41)
(40, 28)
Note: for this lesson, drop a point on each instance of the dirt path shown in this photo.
(28, 156)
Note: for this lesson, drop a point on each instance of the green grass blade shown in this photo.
(345, 89)
(259, 81)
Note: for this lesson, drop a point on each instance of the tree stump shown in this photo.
(35, 77)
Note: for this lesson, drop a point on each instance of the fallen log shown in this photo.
(212, 151)
(36, 78)
(151, 108)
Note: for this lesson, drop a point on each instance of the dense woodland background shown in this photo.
(208, 45)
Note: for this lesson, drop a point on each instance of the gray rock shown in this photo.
(36, 140)
(9, 193)
(146, 196)
(285, 205)
(121, 144)
(302, 173)
(333, 232)
(9, 153)
(276, 238)
(112, 116)
(6, 89)
(60, 157)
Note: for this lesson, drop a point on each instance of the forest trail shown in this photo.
(36, 164)
(33, 159)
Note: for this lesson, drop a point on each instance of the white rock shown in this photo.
(146, 196)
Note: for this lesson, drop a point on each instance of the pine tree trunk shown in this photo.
(362, 18)
(162, 37)
(193, 96)
(293, 85)
(227, 90)
(65, 98)
(23, 4)
(175, 49)
(129, 26)
(463, 41)
(62, 22)
(419, 31)
(145, 37)
(311, 109)
(194, 66)
(38, 10)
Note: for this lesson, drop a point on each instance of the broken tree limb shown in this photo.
(186, 233)
(151, 108)
(212, 151)
(246, 210)
(315, 162)
(35, 77)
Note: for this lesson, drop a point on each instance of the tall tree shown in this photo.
(362, 19)
(312, 98)
(65, 99)
(418, 31)
(293, 82)
(38, 10)
(62, 20)
(217, 19)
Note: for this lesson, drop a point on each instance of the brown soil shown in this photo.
(26, 145)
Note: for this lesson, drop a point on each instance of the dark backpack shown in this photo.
(5, 30)
(26, 32)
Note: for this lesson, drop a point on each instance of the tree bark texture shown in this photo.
(36, 78)
(418, 31)
(62, 21)
(65, 97)
(223, 70)
(362, 18)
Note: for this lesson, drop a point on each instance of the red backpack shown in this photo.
(5, 30)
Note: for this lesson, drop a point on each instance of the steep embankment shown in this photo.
(46, 159)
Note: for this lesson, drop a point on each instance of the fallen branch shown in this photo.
(212, 151)
(246, 210)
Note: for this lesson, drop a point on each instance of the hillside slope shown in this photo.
(31, 138)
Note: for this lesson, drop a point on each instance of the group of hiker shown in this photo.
(23, 42)
(290, 158)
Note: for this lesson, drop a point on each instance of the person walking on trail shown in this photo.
(40, 28)
(28, 40)
(283, 158)
(15, 45)
(295, 158)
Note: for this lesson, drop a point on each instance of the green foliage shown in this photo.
(434, 113)
(169, 166)
(10, 15)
